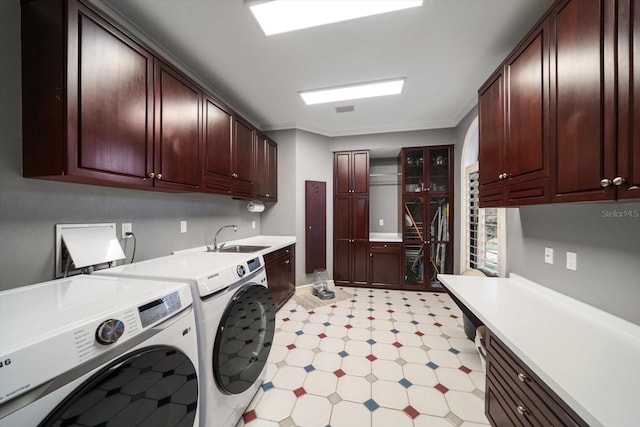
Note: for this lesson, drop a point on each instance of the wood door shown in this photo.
(110, 102)
(582, 81)
(216, 166)
(491, 130)
(177, 136)
(629, 98)
(243, 159)
(342, 173)
(288, 271)
(342, 236)
(360, 172)
(527, 83)
(261, 167)
(315, 226)
(360, 262)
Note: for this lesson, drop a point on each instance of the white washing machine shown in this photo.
(89, 351)
(235, 316)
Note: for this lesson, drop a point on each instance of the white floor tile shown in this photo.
(354, 389)
(444, 358)
(385, 417)
(414, 355)
(359, 334)
(385, 351)
(356, 365)
(289, 377)
(299, 357)
(320, 383)
(387, 370)
(350, 414)
(307, 341)
(275, 405)
(431, 421)
(389, 394)
(311, 411)
(420, 374)
(427, 400)
(327, 361)
(455, 379)
(467, 406)
(358, 348)
(331, 345)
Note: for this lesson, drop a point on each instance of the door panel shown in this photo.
(341, 261)
(342, 218)
(315, 226)
(217, 140)
(360, 251)
(360, 217)
(360, 173)
(342, 173)
(491, 128)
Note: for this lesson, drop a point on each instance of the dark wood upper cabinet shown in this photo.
(177, 134)
(87, 104)
(629, 99)
(242, 159)
(583, 110)
(513, 111)
(351, 172)
(266, 169)
(216, 166)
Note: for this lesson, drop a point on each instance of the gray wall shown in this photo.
(384, 195)
(29, 208)
(606, 238)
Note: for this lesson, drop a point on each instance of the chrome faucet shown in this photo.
(215, 239)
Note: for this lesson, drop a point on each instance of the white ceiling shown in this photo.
(446, 49)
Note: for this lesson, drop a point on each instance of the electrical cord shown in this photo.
(133, 255)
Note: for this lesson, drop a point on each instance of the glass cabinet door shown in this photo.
(414, 171)
(414, 236)
(439, 239)
(438, 170)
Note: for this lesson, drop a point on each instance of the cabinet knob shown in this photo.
(152, 175)
(234, 175)
(605, 182)
(287, 261)
(159, 176)
(522, 377)
(370, 254)
(618, 180)
(268, 195)
(522, 410)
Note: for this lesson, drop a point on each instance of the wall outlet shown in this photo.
(253, 225)
(548, 255)
(381, 222)
(183, 226)
(126, 228)
(572, 261)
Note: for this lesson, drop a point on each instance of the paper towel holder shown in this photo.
(255, 206)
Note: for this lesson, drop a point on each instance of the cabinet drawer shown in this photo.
(544, 406)
(501, 407)
(385, 246)
(286, 253)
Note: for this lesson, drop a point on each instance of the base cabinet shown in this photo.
(281, 274)
(385, 261)
(515, 396)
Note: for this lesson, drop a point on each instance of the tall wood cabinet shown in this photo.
(266, 169)
(351, 218)
(427, 212)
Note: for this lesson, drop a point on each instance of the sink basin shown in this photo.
(242, 248)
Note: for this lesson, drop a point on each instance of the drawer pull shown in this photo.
(522, 410)
(523, 377)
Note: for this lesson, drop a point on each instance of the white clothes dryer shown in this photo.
(98, 351)
(235, 316)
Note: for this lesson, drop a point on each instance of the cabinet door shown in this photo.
(527, 75)
(243, 159)
(360, 172)
(491, 130)
(360, 262)
(582, 99)
(177, 137)
(261, 168)
(217, 148)
(384, 264)
(342, 173)
(342, 262)
(413, 170)
(272, 171)
(439, 259)
(629, 99)
(110, 102)
(359, 219)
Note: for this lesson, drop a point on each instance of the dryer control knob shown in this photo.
(109, 331)
(240, 270)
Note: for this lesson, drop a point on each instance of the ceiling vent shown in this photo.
(344, 109)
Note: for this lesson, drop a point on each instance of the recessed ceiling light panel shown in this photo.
(355, 91)
(280, 16)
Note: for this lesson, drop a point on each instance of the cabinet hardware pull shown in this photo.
(523, 377)
(152, 175)
(605, 182)
(522, 410)
(159, 176)
(287, 262)
(618, 180)
(370, 254)
(270, 196)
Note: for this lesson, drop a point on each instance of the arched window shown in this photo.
(483, 229)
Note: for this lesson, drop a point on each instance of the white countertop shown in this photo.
(590, 358)
(385, 237)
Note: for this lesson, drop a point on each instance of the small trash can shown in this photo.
(321, 284)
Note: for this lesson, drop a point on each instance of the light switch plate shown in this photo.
(381, 222)
(183, 226)
(548, 255)
(572, 261)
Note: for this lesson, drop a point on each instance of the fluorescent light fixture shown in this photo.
(355, 91)
(280, 16)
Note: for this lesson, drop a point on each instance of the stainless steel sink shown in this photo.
(242, 248)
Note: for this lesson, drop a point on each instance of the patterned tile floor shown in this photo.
(383, 358)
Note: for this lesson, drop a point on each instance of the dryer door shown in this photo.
(243, 339)
(153, 386)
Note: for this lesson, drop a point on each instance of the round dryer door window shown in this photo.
(243, 339)
(155, 386)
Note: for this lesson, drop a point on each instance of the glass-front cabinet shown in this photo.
(427, 208)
